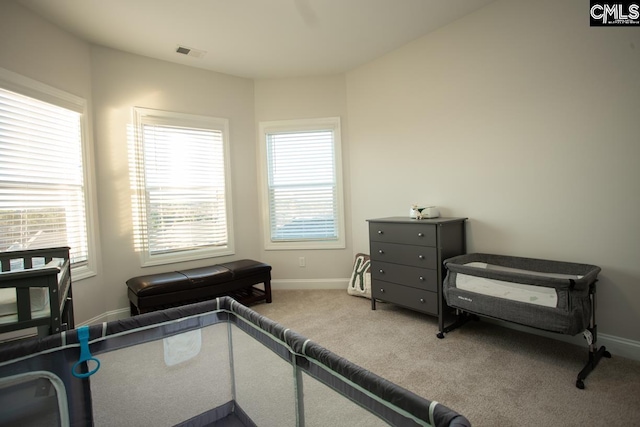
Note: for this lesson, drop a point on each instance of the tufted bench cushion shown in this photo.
(236, 279)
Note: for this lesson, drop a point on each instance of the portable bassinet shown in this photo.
(553, 296)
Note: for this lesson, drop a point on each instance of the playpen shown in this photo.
(215, 363)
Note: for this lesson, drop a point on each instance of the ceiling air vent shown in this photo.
(189, 51)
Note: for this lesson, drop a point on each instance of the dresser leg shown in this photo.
(373, 303)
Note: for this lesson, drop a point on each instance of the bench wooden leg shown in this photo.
(133, 309)
(267, 290)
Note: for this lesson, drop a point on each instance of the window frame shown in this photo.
(31, 88)
(301, 125)
(142, 116)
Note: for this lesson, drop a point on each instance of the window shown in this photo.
(181, 178)
(302, 184)
(43, 191)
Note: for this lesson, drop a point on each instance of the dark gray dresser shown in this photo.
(406, 261)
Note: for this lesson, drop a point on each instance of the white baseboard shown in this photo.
(309, 284)
(617, 346)
(109, 316)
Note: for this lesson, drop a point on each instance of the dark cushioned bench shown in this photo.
(236, 279)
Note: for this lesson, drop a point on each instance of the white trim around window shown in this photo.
(302, 205)
(181, 182)
(85, 250)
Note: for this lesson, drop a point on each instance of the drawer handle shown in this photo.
(382, 290)
(381, 271)
(421, 256)
(420, 235)
(380, 232)
(421, 279)
(380, 251)
(422, 300)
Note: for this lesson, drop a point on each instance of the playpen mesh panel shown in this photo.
(266, 390)
(32, 400)
(326, 407)
(264, 382)
(163, 382)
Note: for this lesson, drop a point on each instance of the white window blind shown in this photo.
(42, 191)
(184, 191)
(303, 185)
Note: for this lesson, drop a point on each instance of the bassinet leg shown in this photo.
(594, 358)
(462, 317)
(595, 353)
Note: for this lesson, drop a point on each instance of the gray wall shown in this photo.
(113, 82)
(299, 98)
(36, 49)
(520, 117)
(121, 81)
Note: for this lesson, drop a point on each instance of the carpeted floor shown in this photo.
(495, 376)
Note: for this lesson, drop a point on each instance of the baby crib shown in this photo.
(35, 291)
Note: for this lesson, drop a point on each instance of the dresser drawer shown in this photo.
(416, 256)
(415, 277)
(416, 299)
(410, 234)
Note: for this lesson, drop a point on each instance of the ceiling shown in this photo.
(255, 38)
